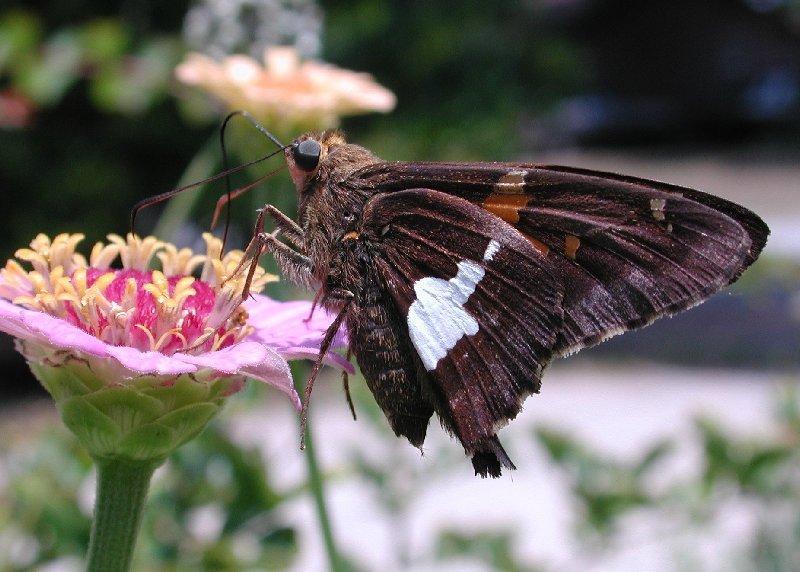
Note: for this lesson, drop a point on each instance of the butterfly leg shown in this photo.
(327, 340)
(346, 384)
(294, 265)
(314, 304)
(290, 229)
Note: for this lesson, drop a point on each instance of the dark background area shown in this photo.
(93, 119)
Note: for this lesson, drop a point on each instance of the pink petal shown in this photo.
(275, 371)
(332, 358)
(51, 331)
(43, 328)
(281, 334)
(253, 359)
(148, 362)
(11, 321)
(229, 360)
(283, 324)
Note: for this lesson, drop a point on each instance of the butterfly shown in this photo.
(460, 282)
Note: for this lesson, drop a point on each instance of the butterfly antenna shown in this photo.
(229, 196)
(154, 200)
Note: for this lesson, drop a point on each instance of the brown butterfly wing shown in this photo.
(479, 304)
(628, 250)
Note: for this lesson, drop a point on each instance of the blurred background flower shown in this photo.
(285, 93)
(673, 447)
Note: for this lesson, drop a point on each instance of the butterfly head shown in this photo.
(308, 155)
(313, 157)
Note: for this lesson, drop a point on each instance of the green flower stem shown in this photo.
(316, 482)
(121, 494)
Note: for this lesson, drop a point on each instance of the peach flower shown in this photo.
(286, 93)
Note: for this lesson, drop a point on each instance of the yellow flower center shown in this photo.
(166, 310)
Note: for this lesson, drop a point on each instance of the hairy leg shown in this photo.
(290, 229)
(295, 266)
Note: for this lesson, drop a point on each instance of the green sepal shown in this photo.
(142, 419)
(151, 441)
(95, 430)
(183, 391)
(190, 420)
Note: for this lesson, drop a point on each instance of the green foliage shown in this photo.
(762, 472)
(230, 482)
(211, 476)
(20, 34)
(215, 481)
(754, 467)
(769, 469)
(606, 489)
(124, 75)
(39, 501)
(465, 73)
(397, 484)
(495, 549)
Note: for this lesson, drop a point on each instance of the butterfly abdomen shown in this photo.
(386, 361)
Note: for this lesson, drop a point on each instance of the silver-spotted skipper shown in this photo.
(460, 282)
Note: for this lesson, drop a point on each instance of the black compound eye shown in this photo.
(306, 154)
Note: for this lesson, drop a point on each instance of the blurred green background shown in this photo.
(670, 448)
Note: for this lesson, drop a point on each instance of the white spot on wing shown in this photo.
(657, 208)
(491, 250)
(437, 318)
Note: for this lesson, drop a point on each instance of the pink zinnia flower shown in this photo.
(139, 360)
(85, 326)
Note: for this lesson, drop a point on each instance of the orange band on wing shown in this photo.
(571, 246)
(505, 206)
(540, 246)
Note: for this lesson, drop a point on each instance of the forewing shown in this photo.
(482, 308)
(629, 250)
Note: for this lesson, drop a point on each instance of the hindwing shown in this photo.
(481, 307)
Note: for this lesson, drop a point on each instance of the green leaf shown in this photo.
(20, 33)
(60, 382)
(559, 446)
(184, 391)
(652, 456)
(105, 41)
(47, 77)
